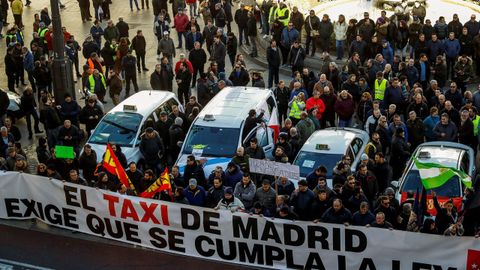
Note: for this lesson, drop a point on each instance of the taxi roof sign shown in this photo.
(320, 146)
(424, 155)
(127, 107)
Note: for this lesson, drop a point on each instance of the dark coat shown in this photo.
(273, 57)
(198, 58)
(252, 27)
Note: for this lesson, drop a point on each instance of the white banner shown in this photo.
(268, 167)
(223, 236)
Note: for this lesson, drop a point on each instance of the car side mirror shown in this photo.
(395, 184)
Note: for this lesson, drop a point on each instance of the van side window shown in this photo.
(465, 163)
(166, 106)
(356, 145)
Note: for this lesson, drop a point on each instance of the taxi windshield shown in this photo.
(308, 161)
(450, 189)
(119, 128)
(212, 141)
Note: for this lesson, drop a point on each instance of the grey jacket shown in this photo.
(245, 193)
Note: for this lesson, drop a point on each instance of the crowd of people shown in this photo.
(404, 82)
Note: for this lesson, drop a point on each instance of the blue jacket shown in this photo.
(359, 219)
(430, 122)
(296, 92)
(435, 48)
(393, 96)
(28, 61)
(97, 33)
(288, 37)
(196, 197)
(452, 48)
(387, 53)
(232, 178)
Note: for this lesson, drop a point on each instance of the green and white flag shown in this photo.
(435, 175)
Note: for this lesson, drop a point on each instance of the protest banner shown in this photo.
(278, 169)
(238, 238)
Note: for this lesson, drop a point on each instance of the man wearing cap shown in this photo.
(180, 23)
(230, 202)
(152, 149)
(166, 47)
(194, 193)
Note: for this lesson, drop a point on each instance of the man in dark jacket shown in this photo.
(297, 57)
(325, 30)
(129, 62)
(4, 103)
(368, 182)
(400, 153)
(239, 76)
(90, 115)
(252, 33)
(198, 58)
(183, 79)
(192, 37)
(176, 135)
(302, 200)
(465, 130)
(195, 171)
(139, 45)
(274, 61)
(218, 52)
(122, 27)
(69, 135)
(251, 122)
(241, 18)
(215, 193)
(152, 149)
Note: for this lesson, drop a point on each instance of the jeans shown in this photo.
(339, 46)
(196, 71)
(253, 44)
(272, 76)
(193, 9)
(133, 79)
(265, 25)
(242, 36)
(140, 58)
(344, 123)
(180, 39)
(313, 40)
(34, 114)
(143, 3)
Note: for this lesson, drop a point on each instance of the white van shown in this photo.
(124, 124)
(216, 133)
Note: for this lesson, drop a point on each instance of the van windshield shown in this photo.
(119, 128)
(413, 182)
(211, 141)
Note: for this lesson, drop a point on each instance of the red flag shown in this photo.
(473, 259)
(113, 166)
(274, 124)
(162, 183)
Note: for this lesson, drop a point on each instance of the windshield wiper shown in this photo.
(119, 126)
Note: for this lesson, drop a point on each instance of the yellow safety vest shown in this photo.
(380, 89)
(475, 125)
(91, 82)
(273, 14)
(295, 111)
(281, 12)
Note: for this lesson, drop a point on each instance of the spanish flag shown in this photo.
(113, 166)
(162, 183)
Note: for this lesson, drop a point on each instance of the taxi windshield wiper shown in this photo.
(119, 126)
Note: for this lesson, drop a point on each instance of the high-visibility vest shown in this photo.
(91, 82)
(91, 65)
(295, 111)
(281, 12)
(41, 34)
(273, 14)
(380, 89)
(475, 125)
